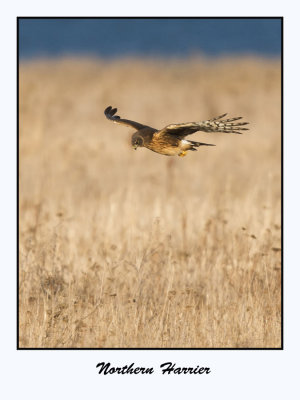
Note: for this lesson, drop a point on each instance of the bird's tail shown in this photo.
(197, 144)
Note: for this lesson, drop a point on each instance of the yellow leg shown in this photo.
(182, 154)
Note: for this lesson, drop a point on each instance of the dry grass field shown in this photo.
(123, 248)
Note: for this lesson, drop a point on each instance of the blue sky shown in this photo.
(149, 37)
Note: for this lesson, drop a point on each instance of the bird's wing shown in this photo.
(110, 114)
(216, 124)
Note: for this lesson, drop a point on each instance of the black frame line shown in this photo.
(17, 202)
(147, 17)
(17, 182)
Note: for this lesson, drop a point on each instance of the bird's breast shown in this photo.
(164, 145)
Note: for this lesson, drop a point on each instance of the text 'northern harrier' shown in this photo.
(170, 141)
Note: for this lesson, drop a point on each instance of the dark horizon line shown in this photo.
(38, 56)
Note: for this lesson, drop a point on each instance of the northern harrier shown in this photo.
(170, 141)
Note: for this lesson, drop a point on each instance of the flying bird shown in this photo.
(170, 141)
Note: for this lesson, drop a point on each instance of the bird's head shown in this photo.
(137, 141)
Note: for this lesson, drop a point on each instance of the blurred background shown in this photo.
(149, 37)
(123, 248)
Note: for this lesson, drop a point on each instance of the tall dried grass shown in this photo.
(123, 248)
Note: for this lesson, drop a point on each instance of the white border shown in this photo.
(72, 374)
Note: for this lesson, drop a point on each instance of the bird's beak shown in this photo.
(135, 147)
